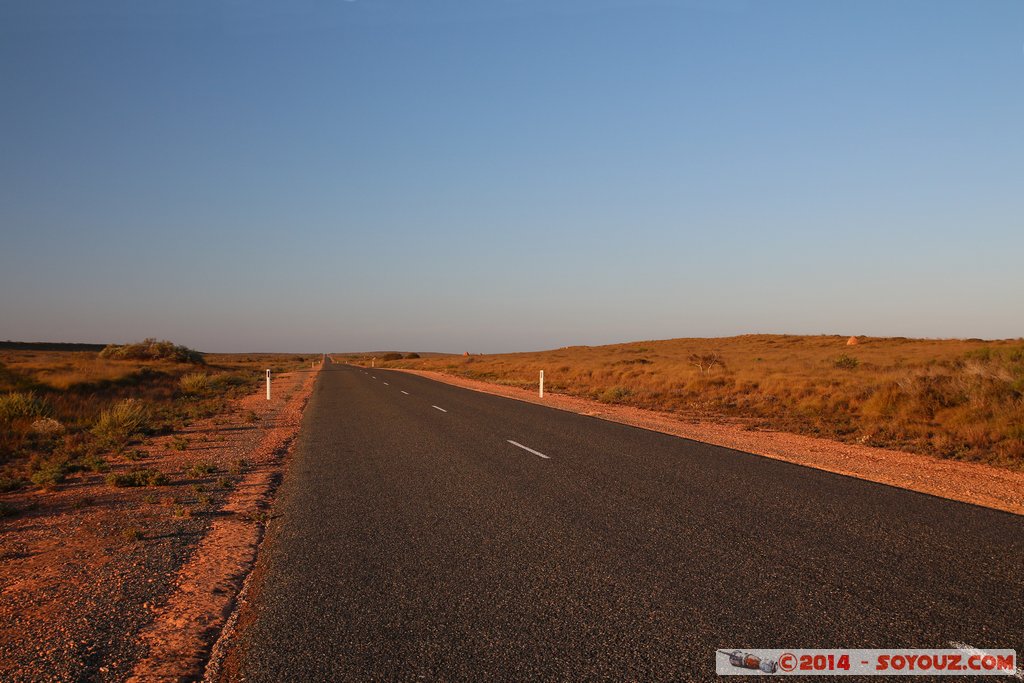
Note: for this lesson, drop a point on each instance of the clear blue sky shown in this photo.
(510, 174)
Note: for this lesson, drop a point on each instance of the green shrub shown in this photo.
(614, 394)
(92, 463)
(48, 473)
(22, 404)
(230, 379)
(120, 423)
(410, 356)
(391, 356)
(202, 469)
(151, 349)
(195, 383)
(8, 484)
(845, 362)
(138, 477)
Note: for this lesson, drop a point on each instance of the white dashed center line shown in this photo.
(440, 408)
(529, 449)
(386, 384)
(405, 392)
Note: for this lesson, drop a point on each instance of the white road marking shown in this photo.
(386, 384)
(405, 392)
(441, 409)
(372, 377)
(529, 449)
(1018, 674)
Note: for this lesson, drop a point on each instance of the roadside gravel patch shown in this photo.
(179, 639)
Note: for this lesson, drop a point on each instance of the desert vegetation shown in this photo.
(960, 399)
(151, 349)
(71, 410)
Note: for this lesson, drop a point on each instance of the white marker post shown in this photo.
(268, 384)
(542, 384)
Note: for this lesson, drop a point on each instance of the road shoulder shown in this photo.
(179, 639)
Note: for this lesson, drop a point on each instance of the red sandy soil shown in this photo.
(100, 583)
(963, 481)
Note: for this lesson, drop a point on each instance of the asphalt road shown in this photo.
(413, 541)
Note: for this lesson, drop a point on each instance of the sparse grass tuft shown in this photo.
(92, 463)
(845, 362)
(8, 484)
(614, 394)
(121, 423)
(258, 516)
(22, 405)
(202, 469)
(195, 384)
(48, 472)
(137, 477)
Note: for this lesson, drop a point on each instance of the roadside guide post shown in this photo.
(542, 384)
(268, 384)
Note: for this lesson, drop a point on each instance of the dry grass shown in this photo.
(61, 410)
(122, 422)
(959, 399)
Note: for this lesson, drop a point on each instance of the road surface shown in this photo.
(428, 532)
